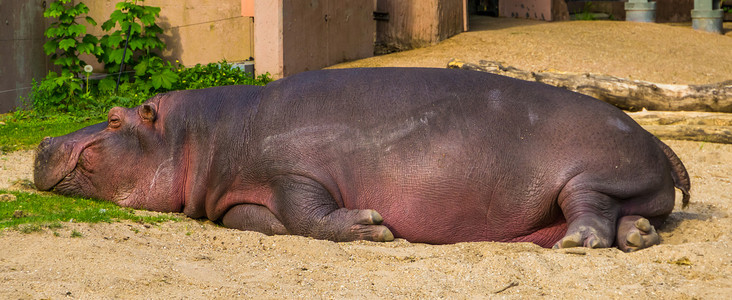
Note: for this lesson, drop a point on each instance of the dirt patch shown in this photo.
(657, 53)
(192, 259)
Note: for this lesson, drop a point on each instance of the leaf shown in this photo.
(74, 85)
(116, 56)
(136, 28)
(141, 68)
(114, 40)
(90, 39)
(90, 20)
(51, 32)
(118, 16)
(123, 5)
(164, 79)
(135, 44)
(50, 47)
(54, 10)
(66, 44)
(85, 48)
(147, 20)
(152, 29)
(108, 24)
(76, 30)
(152, 10)
(66, 19)
(107, 84)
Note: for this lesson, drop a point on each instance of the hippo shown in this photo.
(433, 156)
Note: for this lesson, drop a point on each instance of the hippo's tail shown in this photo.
(678, 171)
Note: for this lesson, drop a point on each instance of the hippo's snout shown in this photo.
(56, 157)
(47, 168)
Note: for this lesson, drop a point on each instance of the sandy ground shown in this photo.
(194, 259)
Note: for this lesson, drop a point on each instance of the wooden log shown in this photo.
(632, 95)
(681, 118)
(693, 126)
(712, 134)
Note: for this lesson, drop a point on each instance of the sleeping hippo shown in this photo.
(428, 155)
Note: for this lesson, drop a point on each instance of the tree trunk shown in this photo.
(632, 95)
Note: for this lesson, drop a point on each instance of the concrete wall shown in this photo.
(293, 36)
(417, 23)
(21, 49)
(545, 10)
(674, 10)
(195, 31)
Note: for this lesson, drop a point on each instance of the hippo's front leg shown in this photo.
(254, 218)
(306, 208)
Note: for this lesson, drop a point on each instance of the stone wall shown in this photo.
(21, 49)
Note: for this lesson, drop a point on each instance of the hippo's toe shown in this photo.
(635, 233)
(368, 227)
(584, 237)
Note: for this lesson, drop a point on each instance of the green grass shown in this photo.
(34, 212)
(22, 132)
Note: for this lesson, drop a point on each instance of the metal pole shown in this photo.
(124, 54)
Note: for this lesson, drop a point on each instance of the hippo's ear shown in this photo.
(147, 112)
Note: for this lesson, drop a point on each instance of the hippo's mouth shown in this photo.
(71, 185)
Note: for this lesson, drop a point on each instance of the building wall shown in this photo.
(674, 10)
(293, 36)
(21, 48)
(418, 23)
(526, 9)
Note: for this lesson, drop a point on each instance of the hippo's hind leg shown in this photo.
(307, 208)
(635, 233)
(591, 217)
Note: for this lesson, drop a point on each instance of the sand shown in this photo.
(197, 259)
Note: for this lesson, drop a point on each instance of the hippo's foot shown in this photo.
(635, 233)
(343, 225)
(586, 232)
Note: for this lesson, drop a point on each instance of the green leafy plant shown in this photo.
(586, 13)
(155, 74)
(216, 74)
(66, 93)
(137, 32)
(67, 38)
(56, 92)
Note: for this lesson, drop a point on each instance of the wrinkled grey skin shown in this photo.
(429, 155)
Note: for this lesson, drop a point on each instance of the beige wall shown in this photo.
(545, 10)
(21, 49)
(293, 36)
(418, 23)
(268, 49)
(195, 31)
(525, 9)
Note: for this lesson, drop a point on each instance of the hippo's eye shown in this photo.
(114, 122)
